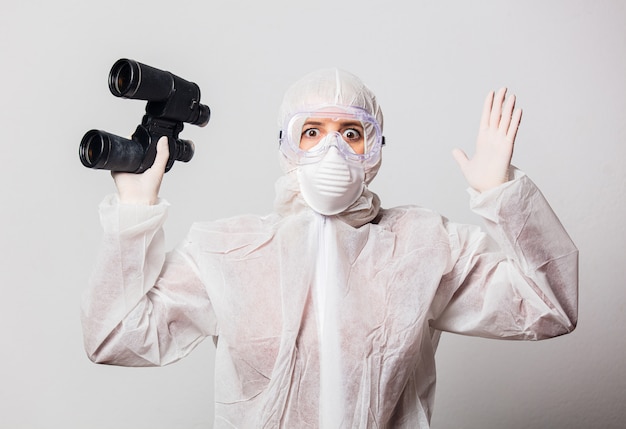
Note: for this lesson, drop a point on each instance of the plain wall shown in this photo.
(430, 62)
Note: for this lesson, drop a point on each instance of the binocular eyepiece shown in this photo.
(172, 101)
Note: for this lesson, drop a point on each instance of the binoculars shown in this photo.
(172, 101)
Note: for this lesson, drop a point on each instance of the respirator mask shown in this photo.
(332, 147)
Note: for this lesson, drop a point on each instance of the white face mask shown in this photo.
(331, 185)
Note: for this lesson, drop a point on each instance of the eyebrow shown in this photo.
(356, 124)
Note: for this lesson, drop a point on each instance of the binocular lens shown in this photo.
(123, 78)
(91, 149)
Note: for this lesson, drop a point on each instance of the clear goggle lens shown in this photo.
(307, 136)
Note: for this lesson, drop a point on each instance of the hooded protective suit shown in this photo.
(328, 321)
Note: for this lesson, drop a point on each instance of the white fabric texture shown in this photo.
(328, 321)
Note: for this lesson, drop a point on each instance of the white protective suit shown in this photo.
(328, 321)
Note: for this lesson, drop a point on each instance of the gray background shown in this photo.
(431, 64)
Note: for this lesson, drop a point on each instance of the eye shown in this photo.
(310, 133)
(351, 135)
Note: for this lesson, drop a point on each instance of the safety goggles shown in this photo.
(306, 136)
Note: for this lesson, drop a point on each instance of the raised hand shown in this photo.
(143, 188)
(489, 167)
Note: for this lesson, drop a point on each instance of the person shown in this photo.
(327, 312)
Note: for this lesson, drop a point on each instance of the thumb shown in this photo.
(460, 157)
(163, 154)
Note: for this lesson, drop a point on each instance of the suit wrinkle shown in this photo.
(552, 260)
(241, 400)
(529, 209)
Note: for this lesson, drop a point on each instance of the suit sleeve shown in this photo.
(518, 278)
(143, 307)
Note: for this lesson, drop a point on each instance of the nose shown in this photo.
(333, 139)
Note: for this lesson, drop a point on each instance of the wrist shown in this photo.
(138, 199)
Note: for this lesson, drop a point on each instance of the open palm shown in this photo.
(489, 167)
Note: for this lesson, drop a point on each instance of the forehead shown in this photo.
(330, 114)
(330, 121)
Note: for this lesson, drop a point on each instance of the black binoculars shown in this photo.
(171, 102)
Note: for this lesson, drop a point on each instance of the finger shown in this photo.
(516, 119)
(496, 109)
(507, 111)
(484, 118)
